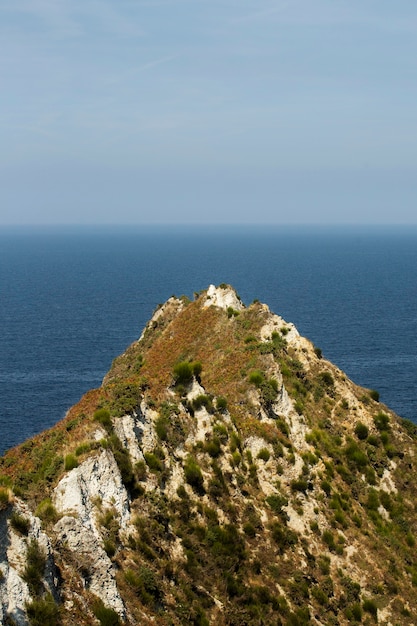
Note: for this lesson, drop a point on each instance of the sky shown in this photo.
(198, 111)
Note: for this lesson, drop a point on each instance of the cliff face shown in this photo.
(224, 473)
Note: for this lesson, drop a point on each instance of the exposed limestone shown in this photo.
(387, 483)
(97, 479)
(129, 430)
(145, 427)
(14, 591)
(90, 560)
(276, 323)
(171, 305)
(223, 297)
(282, 405)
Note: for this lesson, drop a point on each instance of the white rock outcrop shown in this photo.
(171, 303)
(95, 486)
(129, 429)
(14, 591)
(92, 563)
(223, 297)
(98, 479)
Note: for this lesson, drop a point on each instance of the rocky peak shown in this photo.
(225, 472)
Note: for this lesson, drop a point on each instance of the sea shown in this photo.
(73, 298)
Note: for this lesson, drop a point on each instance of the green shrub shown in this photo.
(109, 547)
(269, 390)
(328, 539)
(370, 606)
(20, 523)
(213, 447)
(197, 369)
(314, 526)
(299, 485)
(386, 500)
(46, 511)
(221, 403)
(299, 407)
(70, 462)
(324, 564)
(193, 474)
(35, 567)
(320, 596)
(327, 379)
(183, 373)
(356, 457)
(410, 427)
(318, 352)
(161, 428)
(43, 611)
(373, 440)
(385, 437)
(153, 462)
(105, 615)
(235, 442)
(325, 485)
(4, 498)
(370, 476)
(146, 585)
(390, 450)
(249, 529)
(203, 400)
(5, 481)
(256, 378)
(103, 417)
(140, 470)
(220, 431)
(264, 454)
(381, 421)
(85, 447)
(283, 536)
(122, 458)
(361, 431)
(345, 474)
(372, 502)
(340, 519)
(236, 458)
(125, 398)
(354, 612)
(374, 394)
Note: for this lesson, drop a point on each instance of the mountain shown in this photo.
(224, 473)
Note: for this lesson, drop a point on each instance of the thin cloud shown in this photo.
(262, 14)
(327, 13)
(68, 19)
(151, 64)
(127, 75)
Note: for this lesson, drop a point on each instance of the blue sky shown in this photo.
(124, 111)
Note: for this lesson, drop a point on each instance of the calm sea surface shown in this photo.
(73, 299)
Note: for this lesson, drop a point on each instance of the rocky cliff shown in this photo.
(224, 473)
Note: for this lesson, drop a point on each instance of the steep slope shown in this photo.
(225, 473)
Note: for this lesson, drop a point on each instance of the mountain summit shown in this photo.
(224, 473)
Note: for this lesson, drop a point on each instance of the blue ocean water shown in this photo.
(71, 299)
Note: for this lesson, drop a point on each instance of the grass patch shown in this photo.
(70, 462)
(20, 523)
(43, 611)
(35, 567)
